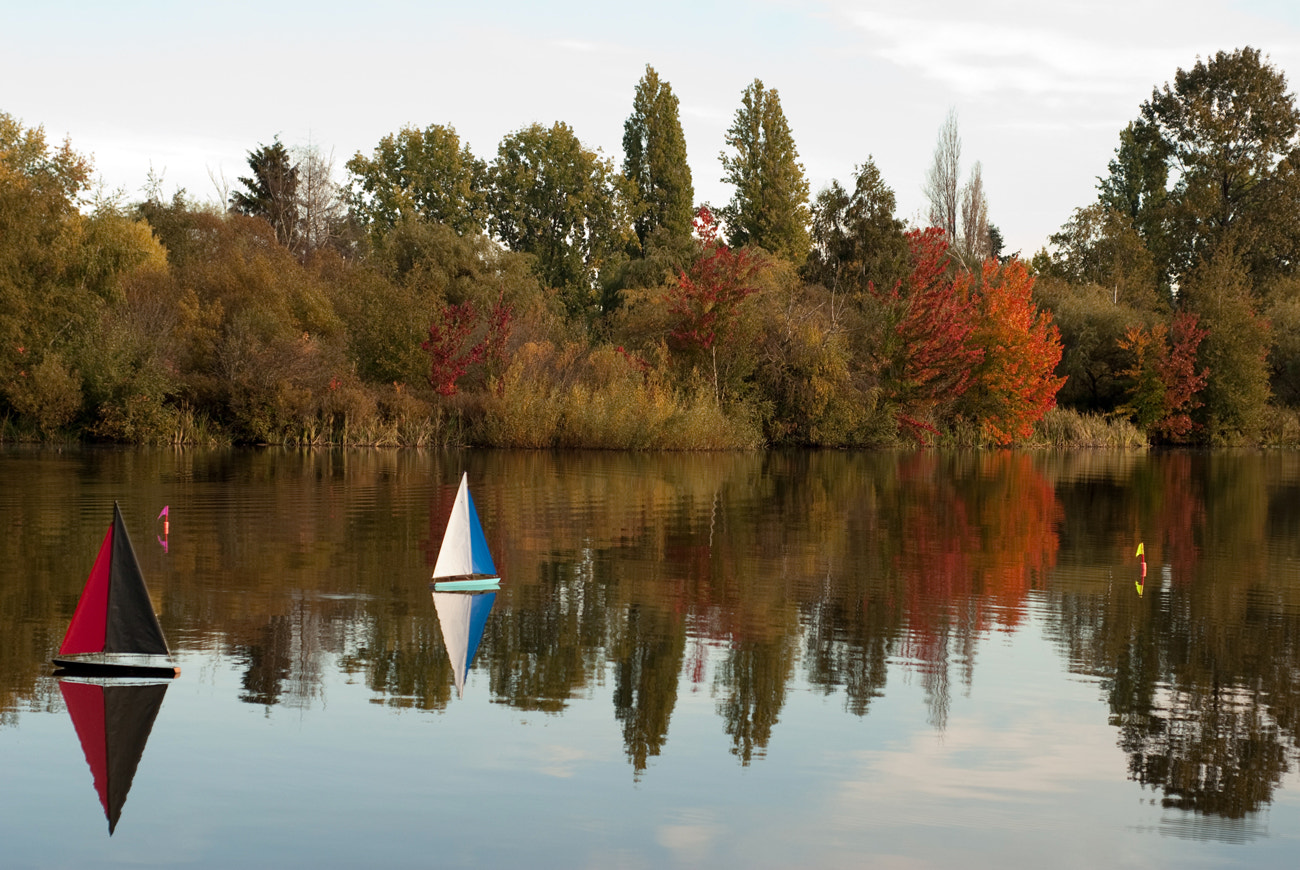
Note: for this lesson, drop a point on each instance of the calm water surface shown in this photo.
(758, 660)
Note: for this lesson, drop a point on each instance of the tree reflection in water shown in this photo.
(741, 575)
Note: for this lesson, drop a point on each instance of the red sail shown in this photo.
(90, 620)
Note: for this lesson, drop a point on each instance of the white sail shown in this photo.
(456, 556)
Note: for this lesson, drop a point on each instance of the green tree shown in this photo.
(1228, 129)
(1234, 352)
(1283, 315)
(1100, 245)
(654, 157)
(770, 205)
(1092, 325)
(856, 239)
(564, 204)
(426, 174)
(1136, 186)
(271, 193)
(414, 272)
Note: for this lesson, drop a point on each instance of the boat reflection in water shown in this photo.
(113, 718)
(462, 616)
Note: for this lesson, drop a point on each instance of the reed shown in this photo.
(1065, 428)
(1280, 427)
(561, 397)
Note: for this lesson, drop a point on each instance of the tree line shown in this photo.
(549, 298)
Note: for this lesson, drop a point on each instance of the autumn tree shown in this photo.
(564, 204)
(927, 355)
(42, 309)
(770, 205)
(1014, 383)
(271, 192)
(703, 303)
(419, 174)
(1164, 380)
(654, 158)
(450, 351)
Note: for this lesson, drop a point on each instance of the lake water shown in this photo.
(768, 660)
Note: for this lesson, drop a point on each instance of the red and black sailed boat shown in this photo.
(114, 631)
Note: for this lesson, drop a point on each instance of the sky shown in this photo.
(183, 91)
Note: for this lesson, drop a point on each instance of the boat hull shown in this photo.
(466, 583)
(118, 664)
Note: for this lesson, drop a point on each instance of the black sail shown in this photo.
(132, 625)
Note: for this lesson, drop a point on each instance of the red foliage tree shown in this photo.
(448, 346)
(1163, 379)
(931, 358)
(1182, 381)
(704, 302)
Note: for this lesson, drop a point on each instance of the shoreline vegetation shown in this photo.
(549, 299)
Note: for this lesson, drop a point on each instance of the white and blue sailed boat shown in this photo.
(464, 562)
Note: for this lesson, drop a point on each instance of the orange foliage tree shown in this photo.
(1015, 382)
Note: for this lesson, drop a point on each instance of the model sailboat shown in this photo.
(114, 631)
(464, 562)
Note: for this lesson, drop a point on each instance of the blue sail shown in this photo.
(479, 608)
(480, 555)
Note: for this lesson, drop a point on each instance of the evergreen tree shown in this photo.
(770, 205)
(654, 150)
(857, 240)
(271, 192)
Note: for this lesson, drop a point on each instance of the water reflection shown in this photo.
(746, 576)
(462, 616)
(113, 719)
(1199, 673)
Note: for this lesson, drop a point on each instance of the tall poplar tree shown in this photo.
(770, 205)
(654, 157)
(943, 181)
